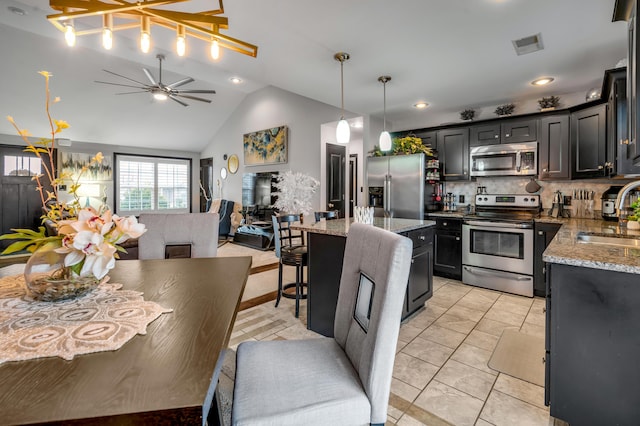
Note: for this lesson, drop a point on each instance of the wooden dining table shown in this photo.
(167, 376)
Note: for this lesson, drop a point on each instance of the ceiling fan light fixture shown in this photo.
(343, 132)
(69, 34)
(145, 34)
(385, 137)
(159, 95)
(181, 42)
(107, 32)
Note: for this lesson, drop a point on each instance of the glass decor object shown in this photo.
(48, 280)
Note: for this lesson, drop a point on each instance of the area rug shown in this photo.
(519, 355)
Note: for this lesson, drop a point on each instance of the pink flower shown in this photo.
(88, 220)
(127, 227)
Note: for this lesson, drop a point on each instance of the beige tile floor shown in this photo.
(440, 375)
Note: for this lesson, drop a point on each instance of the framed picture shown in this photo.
(267, 146)
(73, 162)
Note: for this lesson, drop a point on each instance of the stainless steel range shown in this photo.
(497, 243)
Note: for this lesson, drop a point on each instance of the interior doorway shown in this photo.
(335, 161)
(353, 182)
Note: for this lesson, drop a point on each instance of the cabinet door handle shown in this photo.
(624, 141)
(600, 167)
(422, 237)
(444, 223)
(544, 360)
(497, 136)
(412, 261)
(544, 170)
(541, 233)
(457, 238)
(507, 135)
(544, 310)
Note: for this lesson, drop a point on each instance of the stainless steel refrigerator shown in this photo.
(396, 185)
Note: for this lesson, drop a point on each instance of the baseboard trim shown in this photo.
(263, 268)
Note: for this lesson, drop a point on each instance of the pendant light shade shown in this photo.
(385, 137)
(343, 132)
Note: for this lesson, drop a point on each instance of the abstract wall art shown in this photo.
(267, 146)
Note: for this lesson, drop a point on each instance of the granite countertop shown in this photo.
(565, 248)
(340, 227)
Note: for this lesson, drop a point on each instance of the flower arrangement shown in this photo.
(549, 102)
(467, 114)
(294, 192)
(409, 144)
(88, 239)
(506, 109)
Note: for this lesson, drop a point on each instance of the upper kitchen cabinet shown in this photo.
(507, 131)
(589, 142)
(627, 10)
(453, 152)
(553, 148)
(428, 139)
(618, 147)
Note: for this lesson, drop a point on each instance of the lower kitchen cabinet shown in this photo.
(326, 254)
(447, 247)
(543, 234)
(420, 286)
(593, 346)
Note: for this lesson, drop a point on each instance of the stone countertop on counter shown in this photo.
(566, 249)
(340, 227)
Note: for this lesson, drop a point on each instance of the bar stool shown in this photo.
(292, 251)
(331, 214)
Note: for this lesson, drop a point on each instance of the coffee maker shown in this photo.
(609, 203)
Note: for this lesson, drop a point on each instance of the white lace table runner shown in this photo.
(102, 320)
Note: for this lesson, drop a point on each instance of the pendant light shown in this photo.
(343, 133)
(385, 137)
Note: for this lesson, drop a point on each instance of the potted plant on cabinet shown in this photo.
(409, 144)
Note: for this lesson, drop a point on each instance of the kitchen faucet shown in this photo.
(622, 195)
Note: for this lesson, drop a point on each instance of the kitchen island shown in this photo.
(326, 243)
(592, 340)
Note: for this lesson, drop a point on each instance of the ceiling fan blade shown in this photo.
(181, 82)
(122, 76)
(192, 97)
(144, 86)
(128, 93)
(212, 92)
(178, 100)
(150, 77)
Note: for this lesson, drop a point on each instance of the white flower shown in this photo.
(127, 227)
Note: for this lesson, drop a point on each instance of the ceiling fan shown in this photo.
(159, 90)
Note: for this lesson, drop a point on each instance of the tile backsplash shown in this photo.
(516, 185)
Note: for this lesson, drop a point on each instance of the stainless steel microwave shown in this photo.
(509, 159)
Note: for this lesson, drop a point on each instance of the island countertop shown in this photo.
(340, 227)
(566, 249)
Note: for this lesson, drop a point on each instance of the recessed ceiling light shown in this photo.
(16, 10)
(542, 81)
(421, 105)
(235, 80)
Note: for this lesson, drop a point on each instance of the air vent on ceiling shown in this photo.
(528, 44)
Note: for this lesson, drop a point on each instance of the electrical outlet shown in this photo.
(461, 198)
(62, 187)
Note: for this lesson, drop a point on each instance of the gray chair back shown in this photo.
(198, 229)
(385, 258)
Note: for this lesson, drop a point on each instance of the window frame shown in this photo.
(155, 159)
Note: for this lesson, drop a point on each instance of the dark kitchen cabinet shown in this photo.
(428, 139)
(484, 134)
(453, 152)
(620, 153)
(593, 346)
(627, 10)
(507, 131)
(447, 248)
(517, 131)
(420, 286)
(543, 234)
(589, 142)
(553, 151)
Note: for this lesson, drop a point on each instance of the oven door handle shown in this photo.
(490, 224)
(518, 162)
(496, 274)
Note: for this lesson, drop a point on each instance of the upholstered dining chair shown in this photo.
(195, 234)
(328, 215)
(344, 380)
(291, 251)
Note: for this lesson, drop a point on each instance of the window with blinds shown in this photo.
(152, 184)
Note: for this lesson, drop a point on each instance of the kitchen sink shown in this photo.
(608, 239)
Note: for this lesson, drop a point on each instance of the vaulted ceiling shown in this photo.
(451, 54)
